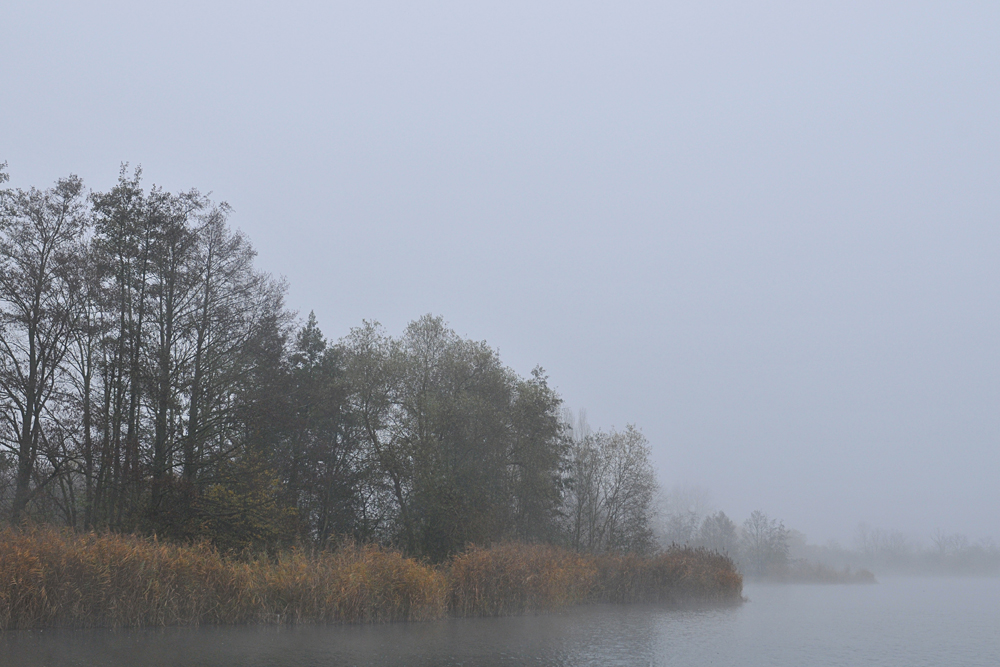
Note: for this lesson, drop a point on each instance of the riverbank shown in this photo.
(54, 578)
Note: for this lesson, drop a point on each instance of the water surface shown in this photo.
(903, 621)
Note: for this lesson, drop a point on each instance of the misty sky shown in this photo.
(766, 233)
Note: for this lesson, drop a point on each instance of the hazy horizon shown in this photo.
(767, 235)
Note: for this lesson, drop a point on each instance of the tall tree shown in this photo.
(765, 544)
(466, 450)
(319, 453)
(123, 236)
(174, 297)
(40, 231)
(372, 362)
(611, 484)
(82, 362)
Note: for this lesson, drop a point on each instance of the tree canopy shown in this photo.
(152, 379)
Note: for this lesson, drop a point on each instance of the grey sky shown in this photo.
(764, 232)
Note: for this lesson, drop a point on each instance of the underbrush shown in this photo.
(56, 578)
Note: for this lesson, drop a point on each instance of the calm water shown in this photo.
(898, 622)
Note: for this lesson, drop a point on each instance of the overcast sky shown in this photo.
(766, 233)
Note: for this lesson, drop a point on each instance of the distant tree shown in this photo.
(719, 533)
(890, 547)
(247, 403)
(174, 369)
(949, 543)
(173, 294)
(236, 389)
(371, 360)
(680, 528)
(764, 546)
(83, 366)
(575, 424)
(124, 230)
(486, 443)
(679, 514)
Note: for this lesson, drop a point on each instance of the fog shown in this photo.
(766, 234)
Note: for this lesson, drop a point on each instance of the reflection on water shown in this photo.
(899, 622)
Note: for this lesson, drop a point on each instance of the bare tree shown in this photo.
(82, 362)
(882, 545)
(40, 230)
(611, 484)
(765, 544)
(174, 296)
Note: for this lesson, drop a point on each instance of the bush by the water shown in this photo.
(58, 578)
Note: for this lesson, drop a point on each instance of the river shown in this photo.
(900, 621)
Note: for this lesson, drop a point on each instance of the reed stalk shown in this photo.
(58, 578)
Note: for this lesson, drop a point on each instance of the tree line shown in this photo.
(153, 380)
(763, 547)
(760, 546)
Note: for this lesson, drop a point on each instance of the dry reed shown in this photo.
(514, 578)
(57, 578)
(354, 584)
(679, 575)
(51, 577)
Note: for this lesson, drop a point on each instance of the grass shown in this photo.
(57, 578)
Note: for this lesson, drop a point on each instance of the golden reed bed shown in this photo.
(58, 578)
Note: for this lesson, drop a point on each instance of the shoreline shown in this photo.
(53, 578)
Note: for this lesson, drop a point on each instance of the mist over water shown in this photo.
(902, 621)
